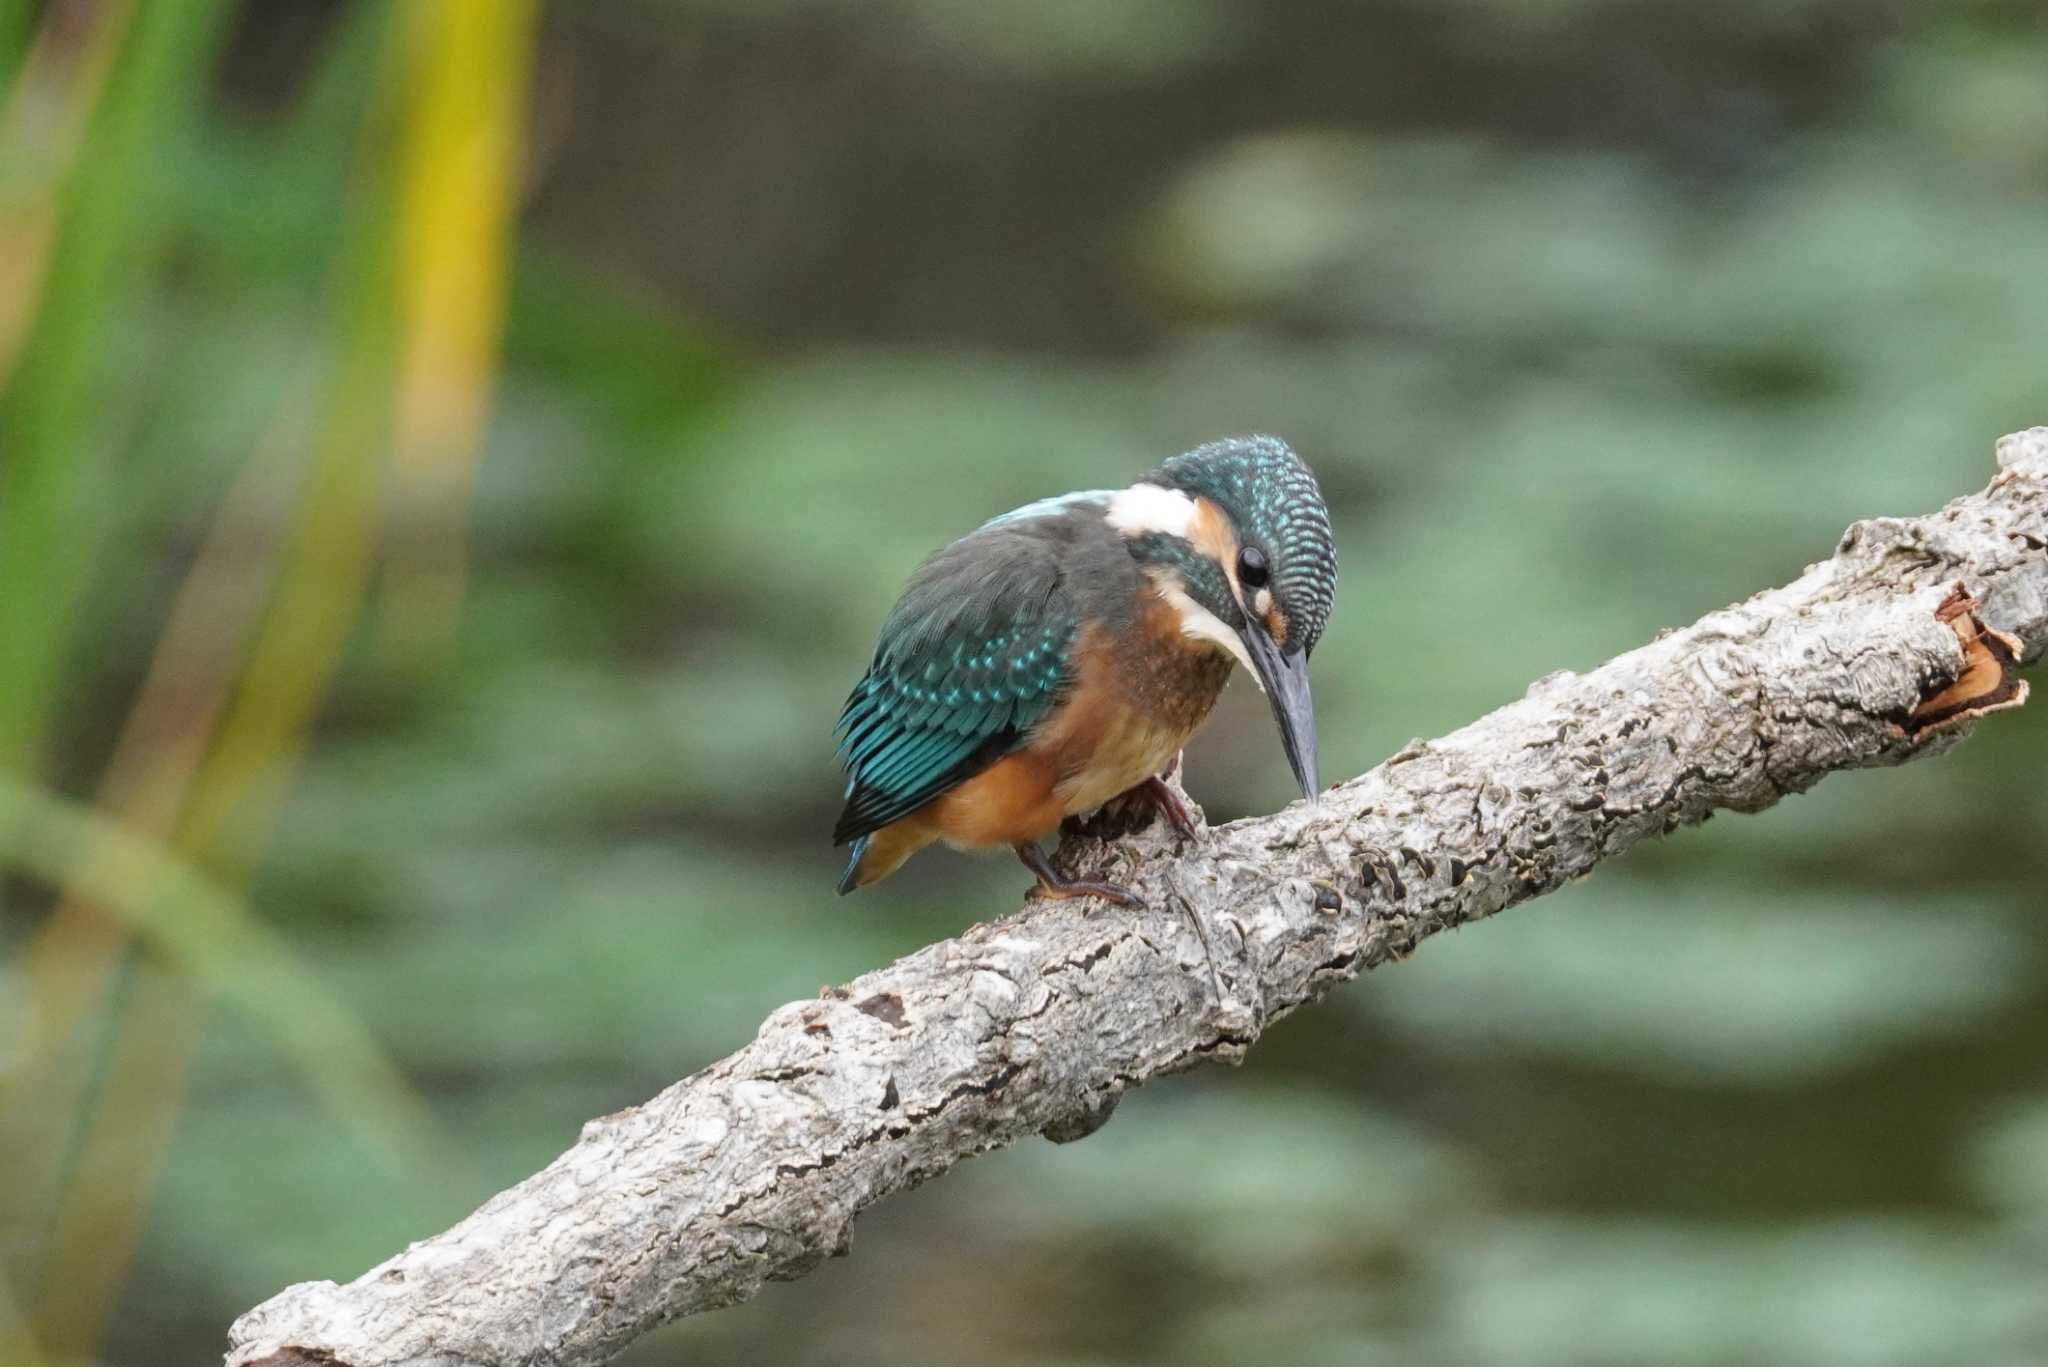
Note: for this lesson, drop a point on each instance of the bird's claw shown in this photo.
(1114, 893)
(1167, 803)
(1133, 810)
(1057, 887)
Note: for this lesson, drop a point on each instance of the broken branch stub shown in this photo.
(1990, 680)
(754, 1168)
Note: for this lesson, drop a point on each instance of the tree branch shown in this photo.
(753, 1169)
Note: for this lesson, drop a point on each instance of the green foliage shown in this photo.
(110, 206)
(208, 932)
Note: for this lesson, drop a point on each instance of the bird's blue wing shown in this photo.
(975, 654)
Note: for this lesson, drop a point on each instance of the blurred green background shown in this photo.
(454, 455)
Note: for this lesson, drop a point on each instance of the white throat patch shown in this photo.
(1202, 624)
(1145, 509)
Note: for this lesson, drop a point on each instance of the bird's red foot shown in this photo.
(1134, 809)
(1167, 803)
(1053, 886)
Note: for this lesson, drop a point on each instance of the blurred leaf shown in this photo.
(17, 1342)
(16, 17)
(843, 450)
(1975, 96)
(57, 463)
(224, 1229)
(1250, 1182)
(209, 932)
(2007, 1160)
(1709, 984)
(1853, 1293)
(1028, 37)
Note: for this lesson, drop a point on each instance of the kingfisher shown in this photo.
(1059, 657)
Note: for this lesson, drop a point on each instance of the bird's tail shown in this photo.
(850, 880)
(881, 853)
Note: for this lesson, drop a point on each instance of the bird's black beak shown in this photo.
(1283, 673)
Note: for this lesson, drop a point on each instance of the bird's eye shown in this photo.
(1252, 569)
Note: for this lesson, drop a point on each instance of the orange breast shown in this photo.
(1137, 698)
(1011, 801)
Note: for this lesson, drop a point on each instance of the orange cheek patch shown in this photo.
(1276, 625)
(1212, 536)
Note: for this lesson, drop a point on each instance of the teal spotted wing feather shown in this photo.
(975, 654)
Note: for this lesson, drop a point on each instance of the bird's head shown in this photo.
(1236, 537)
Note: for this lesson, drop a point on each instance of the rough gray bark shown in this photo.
(753, 1169)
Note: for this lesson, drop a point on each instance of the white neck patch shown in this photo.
(1202, 624)
(1147, 509)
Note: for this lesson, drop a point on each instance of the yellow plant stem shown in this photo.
(460, 171)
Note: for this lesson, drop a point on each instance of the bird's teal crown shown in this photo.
(1275, 504)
